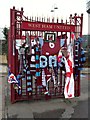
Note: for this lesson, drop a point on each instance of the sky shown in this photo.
(43, 8)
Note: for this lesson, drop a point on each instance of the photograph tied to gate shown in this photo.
(44, 57)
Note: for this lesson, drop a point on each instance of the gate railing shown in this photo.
(38, 27)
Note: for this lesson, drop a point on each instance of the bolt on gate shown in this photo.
(33, 46)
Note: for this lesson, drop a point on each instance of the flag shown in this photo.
(72, 36)
(13, 79)
(69, 81)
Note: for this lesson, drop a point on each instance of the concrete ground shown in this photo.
(54, 108)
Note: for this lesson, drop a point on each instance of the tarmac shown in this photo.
(54, 108)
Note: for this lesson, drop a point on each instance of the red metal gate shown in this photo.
(24, 30)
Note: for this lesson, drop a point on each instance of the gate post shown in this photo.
(12, 53)
(12, 46)
(80, 22)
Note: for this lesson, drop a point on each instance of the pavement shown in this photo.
(0, 97)
(54, 108)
